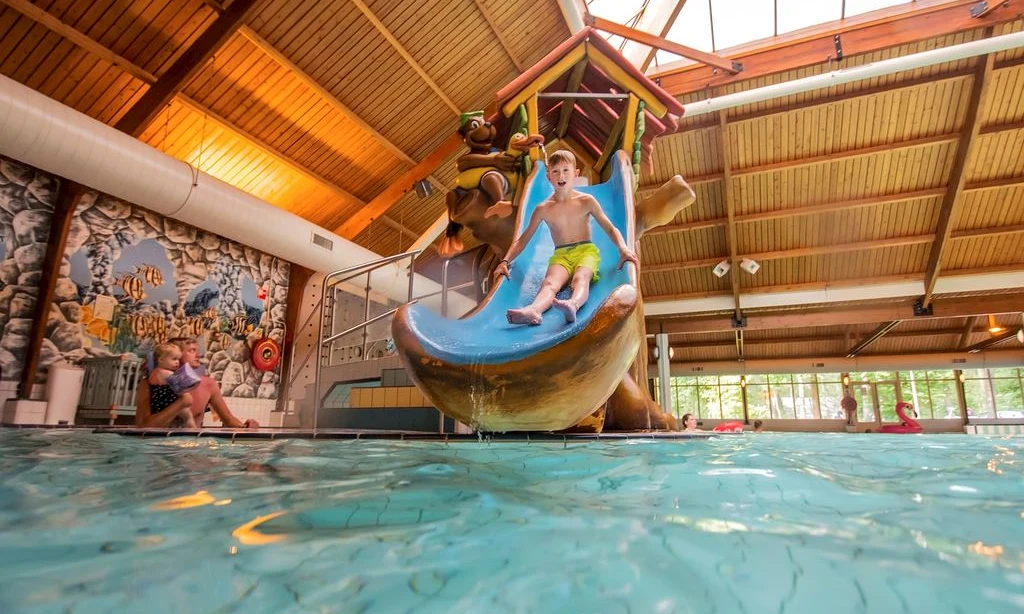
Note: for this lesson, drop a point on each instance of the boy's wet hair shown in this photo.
(560, 156)
(163, 349)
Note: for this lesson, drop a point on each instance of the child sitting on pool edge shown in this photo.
(575, 258)
(162, 397)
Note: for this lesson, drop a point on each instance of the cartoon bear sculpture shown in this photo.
(481, 200)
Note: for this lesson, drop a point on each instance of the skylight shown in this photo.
(714, 25)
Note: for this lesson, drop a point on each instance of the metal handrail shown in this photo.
(372, 320)
(351, 272)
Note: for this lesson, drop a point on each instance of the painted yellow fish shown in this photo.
(132, 286)
(240, 324)
(150, 274)
(211, 315)
(193, 326)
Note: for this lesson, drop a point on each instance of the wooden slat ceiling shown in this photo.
(317, 106)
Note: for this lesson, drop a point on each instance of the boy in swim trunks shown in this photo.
(567, 214)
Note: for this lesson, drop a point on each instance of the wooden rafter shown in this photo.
(146, 109)
(852, 314)
(88, 44)
(715, 61)
(668, 19)
(730, 212)
(573, 85)
(402, 51)
(883, 329)
(68, 196)
(834, 248)
(708, 121)
(856, 203)
(958, 175)
(266, 149)
(789, 212)
(332, 100)
(965, 336)
(908, 23)
(818, 338)
(497, 33)
(55, 25)
(398, 188)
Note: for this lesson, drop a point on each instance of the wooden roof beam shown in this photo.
(330, 98)
(850, 314)
(878, 333)
(834, 248)
(965, 336)
(747, 340)
(159, 94)
(575, 79)
(501, 37)
(282, 158)
(394, 192)
(887, 28)
(730, 212)
(402, 51)
(666, 19)
(710, 59)
(958, 175)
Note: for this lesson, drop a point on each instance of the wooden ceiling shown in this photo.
(319, 106)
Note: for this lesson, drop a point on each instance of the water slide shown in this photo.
(499, 377)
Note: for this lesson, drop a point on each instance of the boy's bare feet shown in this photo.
(567, 308)
(502, 208)
(526, 315)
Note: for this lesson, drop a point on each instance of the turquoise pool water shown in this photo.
(756, 523)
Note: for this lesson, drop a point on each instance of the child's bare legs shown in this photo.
(534, 312)
(580, 292)
(180, 408)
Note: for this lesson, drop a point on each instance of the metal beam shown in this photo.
(146, 109)
(958, 175)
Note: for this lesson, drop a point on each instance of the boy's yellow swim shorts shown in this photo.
(573, 256)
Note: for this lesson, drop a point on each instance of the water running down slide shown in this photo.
(500, 377)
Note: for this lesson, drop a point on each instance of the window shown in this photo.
(932, 393)
(994, 393)
(708, 397)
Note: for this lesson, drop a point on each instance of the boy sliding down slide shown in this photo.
(567, 214)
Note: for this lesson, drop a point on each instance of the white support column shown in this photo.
(664, 373)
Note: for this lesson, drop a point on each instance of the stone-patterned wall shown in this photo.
(26, 208)
(164, 278)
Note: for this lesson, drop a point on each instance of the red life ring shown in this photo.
(265, 354)
(729, 427)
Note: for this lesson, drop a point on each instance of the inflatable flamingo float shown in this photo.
(907, 425)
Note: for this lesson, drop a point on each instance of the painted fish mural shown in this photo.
(132, 287)
(150, 274)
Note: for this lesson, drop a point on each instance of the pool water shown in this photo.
(756, 523)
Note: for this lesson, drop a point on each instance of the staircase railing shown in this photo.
(326, 307)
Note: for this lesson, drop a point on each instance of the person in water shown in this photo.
(690, 423)
(567, 214)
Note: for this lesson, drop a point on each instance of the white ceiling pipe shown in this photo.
(48, 135)
(910, 362)
(857, 73)
(945, 285)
